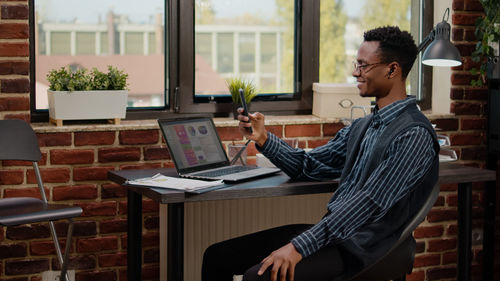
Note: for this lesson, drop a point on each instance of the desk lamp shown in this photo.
(440, 51)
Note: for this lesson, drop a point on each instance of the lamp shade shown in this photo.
(441, 52)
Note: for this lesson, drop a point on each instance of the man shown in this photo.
(387, 163)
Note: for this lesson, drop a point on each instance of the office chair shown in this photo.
(398, 261)
(18, 141)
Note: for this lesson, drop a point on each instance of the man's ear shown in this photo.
(393, 67)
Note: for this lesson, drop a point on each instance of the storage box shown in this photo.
(338, 100)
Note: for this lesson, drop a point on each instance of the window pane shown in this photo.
(253, 40)
(126, 34)
(342, 24)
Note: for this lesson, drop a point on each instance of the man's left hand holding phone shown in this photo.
(251, 125)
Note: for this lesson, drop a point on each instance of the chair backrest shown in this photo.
(399, 259)
(18, 141)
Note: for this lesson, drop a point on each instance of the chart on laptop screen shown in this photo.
(194, 144)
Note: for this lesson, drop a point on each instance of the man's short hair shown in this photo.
(394, 45)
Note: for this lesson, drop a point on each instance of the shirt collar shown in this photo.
(393, 110)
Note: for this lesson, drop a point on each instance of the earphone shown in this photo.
(390, 71)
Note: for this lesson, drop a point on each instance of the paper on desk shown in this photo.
(162, 181)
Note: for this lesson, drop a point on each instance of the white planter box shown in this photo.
(86, 105)
(337, 100)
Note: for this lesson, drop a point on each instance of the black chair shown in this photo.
(399, 259)
(18, 141)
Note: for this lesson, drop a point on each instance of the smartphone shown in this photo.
(245, 108)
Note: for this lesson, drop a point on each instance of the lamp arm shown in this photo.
(426, 41)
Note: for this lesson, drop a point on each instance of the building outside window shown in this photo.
(278, 44)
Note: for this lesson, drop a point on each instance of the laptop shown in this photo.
(197, 151)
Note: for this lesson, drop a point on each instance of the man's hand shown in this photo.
(283, 260)
(259, 134)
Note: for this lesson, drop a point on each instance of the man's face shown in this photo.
(371, 72)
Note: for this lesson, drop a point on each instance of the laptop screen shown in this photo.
(193, 143)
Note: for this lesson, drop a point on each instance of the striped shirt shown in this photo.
(352, 205)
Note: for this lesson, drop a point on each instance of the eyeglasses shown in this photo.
(362, 67)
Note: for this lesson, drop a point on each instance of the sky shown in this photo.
(90, 11)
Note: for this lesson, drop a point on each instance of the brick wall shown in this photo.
(75, 163)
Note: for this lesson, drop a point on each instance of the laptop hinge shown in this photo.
(177, 108)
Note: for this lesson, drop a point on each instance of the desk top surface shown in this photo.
(277, 185)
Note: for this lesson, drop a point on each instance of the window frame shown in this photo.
(180, 70)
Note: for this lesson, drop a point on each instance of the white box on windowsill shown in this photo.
(337, 100)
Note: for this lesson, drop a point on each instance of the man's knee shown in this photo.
(251, 274)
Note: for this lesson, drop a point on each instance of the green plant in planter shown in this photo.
(235, 84)
(64, 79)
(487, 31)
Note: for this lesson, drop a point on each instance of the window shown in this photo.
(178, 54)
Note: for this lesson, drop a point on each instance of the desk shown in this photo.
(280, 185)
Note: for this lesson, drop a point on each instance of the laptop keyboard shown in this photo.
(226, 171)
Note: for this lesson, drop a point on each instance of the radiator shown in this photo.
(209, 222)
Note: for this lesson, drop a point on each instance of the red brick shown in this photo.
(470, 35)
(23, 267)
(14, 31)
(251, 149)
(469, 64)
(85, 228)
(449, 187)
(152, 222)
(427, 260)
(457, 34)
(229, 133)
(458, 5)
(43, 248)
(151, 239)
(439, 273)
(64, 156)
(100, 275)
(75, 192)
(107, 208)
(441, 245)
(23, 192)
(19, 85)
(14, 67)
(316, 143)
(460, 108)
(465, 19)
(473, 5)
(151, 272)
(86, 245)
(54, 139)
(276, 130)
(466, 139)
(78, 262)
(139, 137)
(28, 231)
(156, 153)
(428, 231)
(119, 154)
(94, 138)
(14, 12)
(331, 129)
(461, 79)
(473, 123)
(465, 50)
(14, 104)
(152, 255)
(441, 215)
(113, 191)
(149, 205)
(476, 94)
(112, 226)
(50, 175)
(449, 258)
(91, 173)
(294, 131)
(11, 177)
(13, 251)
(457, 93)
(42, 162)
(21, 116)
(415, 276)
(109, 260)
(446, 124)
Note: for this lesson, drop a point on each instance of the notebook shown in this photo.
(197, 151)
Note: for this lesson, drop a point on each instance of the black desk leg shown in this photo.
(175, 242)
(134, 235)
(489, 231)
(464, 231)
